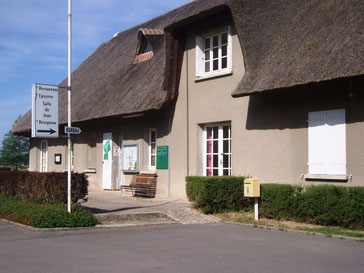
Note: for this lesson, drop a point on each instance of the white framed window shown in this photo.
(43, 156)
(217, 150)
(213, 54)
(327, 142)
(152, 146)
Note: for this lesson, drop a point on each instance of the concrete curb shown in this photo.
(131, 216)
(104, 217)
(298, 231)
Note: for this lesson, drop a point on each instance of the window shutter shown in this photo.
(316, 143)
(229, 50)
(336, 142)
(199, 56)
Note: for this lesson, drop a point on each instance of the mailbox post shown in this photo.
(252, 189)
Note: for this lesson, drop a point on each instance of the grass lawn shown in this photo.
(44, 215)
(248, 218)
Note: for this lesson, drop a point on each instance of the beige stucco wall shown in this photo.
(126, 130)
(55, 146)
(269, 132)
(207, 101)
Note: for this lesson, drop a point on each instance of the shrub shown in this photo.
(324, 204)
(44, 215)
(279, 201)
(48, 187)
(217, 194)
(333, 205)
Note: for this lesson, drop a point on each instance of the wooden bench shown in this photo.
(142, 185)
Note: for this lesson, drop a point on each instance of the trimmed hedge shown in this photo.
(44, 215)
(323, 205)
(48, 187)
(217, 193)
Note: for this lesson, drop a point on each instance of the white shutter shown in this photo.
(229, 50)
(199, 56)
(336, 142)
(316, 143)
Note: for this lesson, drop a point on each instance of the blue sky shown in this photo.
(33, 41)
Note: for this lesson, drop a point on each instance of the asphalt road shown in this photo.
(175, 248)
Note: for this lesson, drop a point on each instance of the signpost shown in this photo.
(72, 130)
(45, 110)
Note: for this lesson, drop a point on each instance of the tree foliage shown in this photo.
(15, 150)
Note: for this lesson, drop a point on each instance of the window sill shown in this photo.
(90, 171)
(327, 177)
(214, 75)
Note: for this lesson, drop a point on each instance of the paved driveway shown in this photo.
(175, 248)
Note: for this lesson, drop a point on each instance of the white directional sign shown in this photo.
(72, 130)
(45, 110)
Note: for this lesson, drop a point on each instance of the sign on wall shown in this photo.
(130, 157)
(45, 110)
(162, 157)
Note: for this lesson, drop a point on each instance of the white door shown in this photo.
(107, 161)
(217, 150)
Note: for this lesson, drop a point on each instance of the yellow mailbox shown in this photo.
(251, 187)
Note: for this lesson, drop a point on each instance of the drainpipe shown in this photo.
(169, 152)
(187, 118)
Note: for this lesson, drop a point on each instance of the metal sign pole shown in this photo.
(69, 109)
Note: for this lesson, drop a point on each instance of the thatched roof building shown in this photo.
(285, 43)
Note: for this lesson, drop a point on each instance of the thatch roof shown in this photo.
(288, 43)
(284, 42)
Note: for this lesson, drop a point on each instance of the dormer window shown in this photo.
(144, 50)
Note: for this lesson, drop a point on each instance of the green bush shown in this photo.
(332, 205)
(48, 187)
(217, 193)
(44, 215)
(279, 201)
(323, 205)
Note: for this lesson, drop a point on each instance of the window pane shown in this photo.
(225, 161)
(209, 147)
(216, 161)
(225, 131)
(226, 172)
(224, 51)
(207, 55)
(209, 161)
(215, 53)
(207, 66)
(226, 146)
(224, 63)
(147, 48)
(209, 172)
(216, 172)
(224, 38)
(216, 132)
(216, 65)
(152, 149)
(216, 145)
(152, 160)
(207, 43)
(215, 41)
(152, 136)
(209, 132)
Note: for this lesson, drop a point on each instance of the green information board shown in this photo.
(162, 157)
